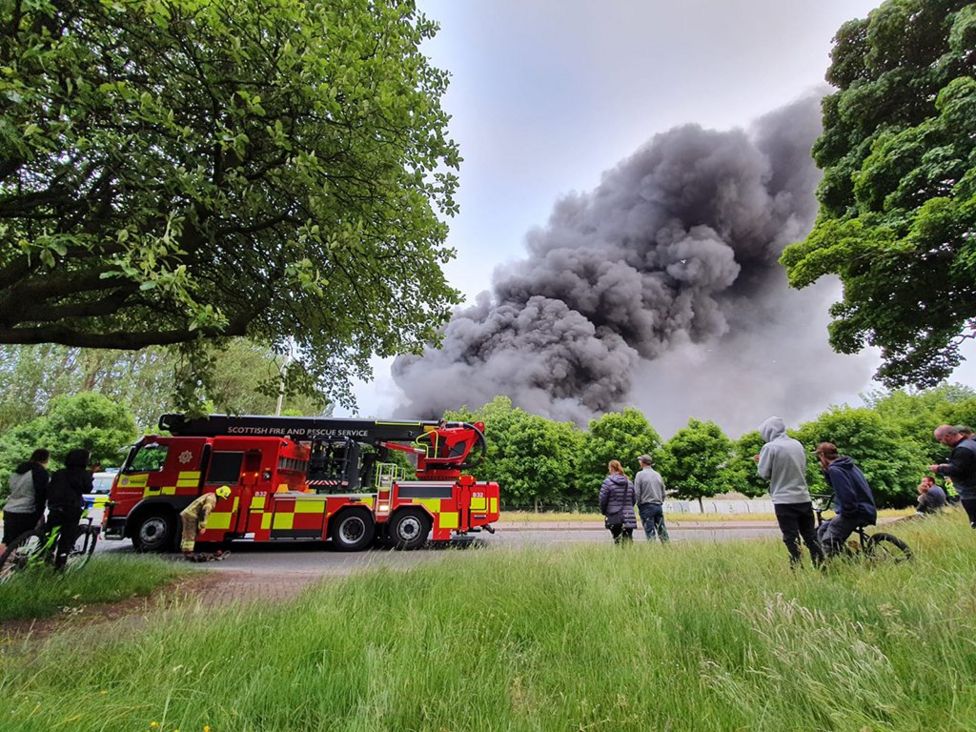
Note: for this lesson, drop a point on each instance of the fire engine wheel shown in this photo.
(352, 531)
(409, 529)
(155, 533)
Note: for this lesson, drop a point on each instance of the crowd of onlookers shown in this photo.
(783, 462)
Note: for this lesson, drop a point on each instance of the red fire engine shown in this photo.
(303, 478)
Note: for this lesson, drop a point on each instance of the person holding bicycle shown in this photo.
(66, 500)
(853, 500)
(28, 493)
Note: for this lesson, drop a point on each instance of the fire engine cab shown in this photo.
(311, 478)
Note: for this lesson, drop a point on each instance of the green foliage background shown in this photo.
(898, 195)
(542, 464)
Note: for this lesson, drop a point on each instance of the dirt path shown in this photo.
(208, 589)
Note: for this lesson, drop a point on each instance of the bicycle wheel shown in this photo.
(887, 548)
(82, 549)
(19, 553)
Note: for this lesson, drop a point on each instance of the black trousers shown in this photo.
(619, 532)
(796, 520)
(970, 505)
(68, 521)
(15, 524)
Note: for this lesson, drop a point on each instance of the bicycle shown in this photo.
(39, 547)
(877, 546)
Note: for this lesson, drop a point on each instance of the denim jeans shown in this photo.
(652, 516)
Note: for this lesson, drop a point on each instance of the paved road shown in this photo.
(315, 559)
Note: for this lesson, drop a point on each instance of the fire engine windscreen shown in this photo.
(660, 288)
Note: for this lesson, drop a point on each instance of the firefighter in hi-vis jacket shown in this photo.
(194, 519)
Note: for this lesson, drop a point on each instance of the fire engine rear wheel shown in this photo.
(409, 528)
(156, 532)
(352, 531)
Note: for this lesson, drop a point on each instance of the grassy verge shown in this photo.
(670, 517)
(43, 593)
(704, 636)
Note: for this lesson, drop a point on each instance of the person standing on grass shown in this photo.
(617, 501)
(782, 461)
(28, 494)
(961, 467)
(66, 500)
(853, 500)
(649, 491)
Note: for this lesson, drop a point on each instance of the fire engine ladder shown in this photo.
(385, 476)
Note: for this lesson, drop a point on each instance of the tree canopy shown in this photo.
(695, 460)
(897, 216)
(181, 170)
(622, 436)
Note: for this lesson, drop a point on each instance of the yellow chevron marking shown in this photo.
(479, 503)
(431, 504)
(219, 521)
(283, 521)
(309, 506)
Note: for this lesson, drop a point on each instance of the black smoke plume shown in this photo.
(670, 262)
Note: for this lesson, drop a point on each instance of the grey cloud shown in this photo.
(674, 251)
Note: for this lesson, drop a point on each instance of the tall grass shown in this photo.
(695, 637)
(40, 593)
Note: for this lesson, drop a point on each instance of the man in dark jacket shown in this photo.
(28, 493)
(853, 501)
(961, 466)
(65, 500)
(617, 499)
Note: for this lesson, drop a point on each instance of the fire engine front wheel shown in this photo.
(352, 531)
(409, 528)
(154, 533)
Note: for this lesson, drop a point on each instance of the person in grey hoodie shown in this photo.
(783, 461)
(617, 501)
(649, 488)
(28, 493)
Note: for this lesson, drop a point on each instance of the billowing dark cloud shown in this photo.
(676, 250)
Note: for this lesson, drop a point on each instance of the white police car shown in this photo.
(102, 485)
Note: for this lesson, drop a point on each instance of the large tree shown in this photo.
(893, 466)
(695, 461)
(622, 436)
(534, 459)
(176, 170)
(897, 216)
(245, 378)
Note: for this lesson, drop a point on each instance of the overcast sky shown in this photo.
(547, 94)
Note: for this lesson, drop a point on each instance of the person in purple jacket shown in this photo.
(617, 499)
(853, 500)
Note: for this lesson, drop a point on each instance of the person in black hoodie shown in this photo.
(28, 493)
(65, 500)
(961, 467)
(853, 501)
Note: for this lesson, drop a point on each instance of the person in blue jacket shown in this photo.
(853, 501)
